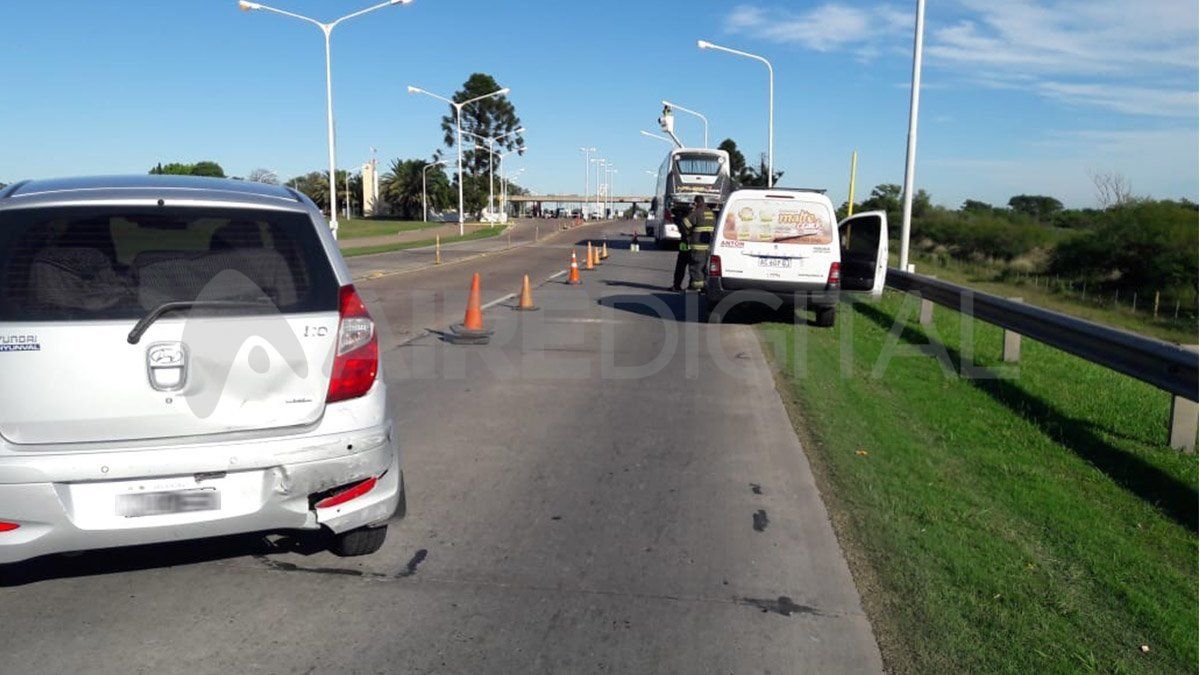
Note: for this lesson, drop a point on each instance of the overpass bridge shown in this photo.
(577, 199)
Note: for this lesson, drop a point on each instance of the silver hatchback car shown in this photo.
(184, 358)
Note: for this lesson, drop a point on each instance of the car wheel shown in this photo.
(826, 316)
(362, 541)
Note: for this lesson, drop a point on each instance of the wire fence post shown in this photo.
(1156, 304)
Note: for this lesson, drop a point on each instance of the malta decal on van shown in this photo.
(19, 343)
(764, 221)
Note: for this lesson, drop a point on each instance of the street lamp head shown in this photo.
(399, 2)
(414, 90)
(503, 92)
(703, 44)
(247, 6)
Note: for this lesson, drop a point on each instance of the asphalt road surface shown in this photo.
(606, 487)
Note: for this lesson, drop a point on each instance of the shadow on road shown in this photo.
(690, 307)
(154, 556)
(1149, 483)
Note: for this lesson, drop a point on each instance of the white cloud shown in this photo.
(1070, 37)
(1136, 57)
(828, 27)
(1133, 100)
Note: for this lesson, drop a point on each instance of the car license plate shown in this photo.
(782, 263)
(138, 504)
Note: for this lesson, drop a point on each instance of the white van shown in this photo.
(780, 244)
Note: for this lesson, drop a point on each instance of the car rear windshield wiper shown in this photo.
(144, 323)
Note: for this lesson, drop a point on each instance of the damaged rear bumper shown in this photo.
(66, 503)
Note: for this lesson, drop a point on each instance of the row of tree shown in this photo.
(1127, 243)
(400, 186)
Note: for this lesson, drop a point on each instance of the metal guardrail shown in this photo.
(1162, 364)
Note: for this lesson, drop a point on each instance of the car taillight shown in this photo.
(6, 526)
(714, 265)
(356, 362)
(356, 490)
(835, 274)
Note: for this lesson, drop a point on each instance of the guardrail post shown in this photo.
(1185, 417)
(926, 316)
(1012, 342)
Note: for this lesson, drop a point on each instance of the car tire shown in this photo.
(361, 541)
(826, 316)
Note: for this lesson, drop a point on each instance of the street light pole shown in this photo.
(503, 187)
(600, 162)
(704, 44)
(424, 203)
(910, 155)
(691, 112)
(491, 148)
(458, 136)
(327, 31)
(664, 139)
(587, 178)
(612, 204)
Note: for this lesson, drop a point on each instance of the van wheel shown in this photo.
(826, 316)
(362, 541)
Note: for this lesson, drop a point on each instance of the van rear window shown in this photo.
(778, 221)
(113, 262)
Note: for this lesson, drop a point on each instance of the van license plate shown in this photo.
(775, 262)
(159, 503)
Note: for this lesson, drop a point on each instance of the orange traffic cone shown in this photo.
(525, 304)
(573, 278)
(596, 255)
(604, 251)
(471, 330)
(591, 263)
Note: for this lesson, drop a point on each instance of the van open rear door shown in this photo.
(864, 238)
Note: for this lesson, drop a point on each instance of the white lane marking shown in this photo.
(556, 275)
(497, 301)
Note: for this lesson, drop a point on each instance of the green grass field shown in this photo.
(353, 229)
(482, 233)
(1030, 524)
(1182, 330)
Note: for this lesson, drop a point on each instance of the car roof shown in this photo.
(148, 188)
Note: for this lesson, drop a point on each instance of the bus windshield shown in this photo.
(705, 165)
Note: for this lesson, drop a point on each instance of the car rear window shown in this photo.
(778, 221)
(110, 262)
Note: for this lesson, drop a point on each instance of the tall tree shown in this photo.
(737, 161)
(205, 168)
(758, 177)
(265, 176)
(489, 118)
(976, 206)
(1038, 207)
(315, 186)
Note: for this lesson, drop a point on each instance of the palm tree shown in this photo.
(401, 187)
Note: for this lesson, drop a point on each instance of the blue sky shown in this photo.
(1018, 97)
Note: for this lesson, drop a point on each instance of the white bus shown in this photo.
(685, 173)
